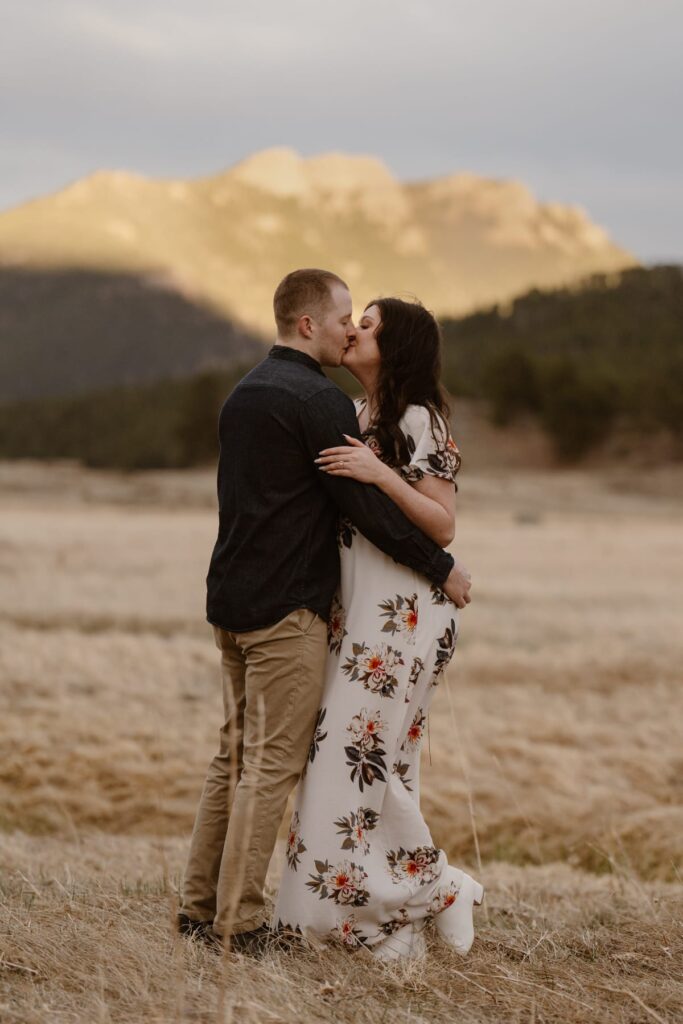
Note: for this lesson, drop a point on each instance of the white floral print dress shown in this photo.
(360, 860)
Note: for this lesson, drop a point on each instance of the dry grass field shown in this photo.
(554, 768)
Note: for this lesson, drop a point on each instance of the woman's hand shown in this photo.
(355, 460)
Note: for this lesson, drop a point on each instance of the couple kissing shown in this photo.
(335, 610)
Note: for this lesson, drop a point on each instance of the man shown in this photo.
(273, 573)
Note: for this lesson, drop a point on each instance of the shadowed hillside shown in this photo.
(581, 367)
(65, 332)
(580, 360)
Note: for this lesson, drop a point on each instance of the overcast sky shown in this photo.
(579, 98)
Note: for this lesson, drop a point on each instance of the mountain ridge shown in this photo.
(457, 241)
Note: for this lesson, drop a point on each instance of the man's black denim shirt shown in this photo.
(277, 537)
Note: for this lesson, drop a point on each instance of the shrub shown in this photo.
(577, 409)
(511, 383)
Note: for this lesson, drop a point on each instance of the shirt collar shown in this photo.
(296, 356)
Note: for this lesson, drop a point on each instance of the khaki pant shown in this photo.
(272, 684)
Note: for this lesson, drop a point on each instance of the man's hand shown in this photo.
(457, 585)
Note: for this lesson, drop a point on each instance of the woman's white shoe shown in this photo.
(405, 944)
(455, 924)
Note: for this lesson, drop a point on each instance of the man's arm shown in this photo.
(326, 417)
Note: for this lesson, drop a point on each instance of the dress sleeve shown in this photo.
(433, 452)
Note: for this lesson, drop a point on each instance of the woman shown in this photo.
(361, 863)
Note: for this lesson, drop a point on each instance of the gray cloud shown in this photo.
(579, 100)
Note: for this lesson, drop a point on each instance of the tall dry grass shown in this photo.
(88, 937)
(567, 702)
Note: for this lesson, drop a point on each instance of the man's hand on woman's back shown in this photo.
(457, 585)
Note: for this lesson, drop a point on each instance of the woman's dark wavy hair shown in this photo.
(409, 342)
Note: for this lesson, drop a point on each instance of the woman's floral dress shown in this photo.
(361, 862)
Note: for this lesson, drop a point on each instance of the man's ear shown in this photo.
(305, 326)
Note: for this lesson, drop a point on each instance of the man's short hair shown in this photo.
(301, 292)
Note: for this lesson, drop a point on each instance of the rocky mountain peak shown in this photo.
(458, 241)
